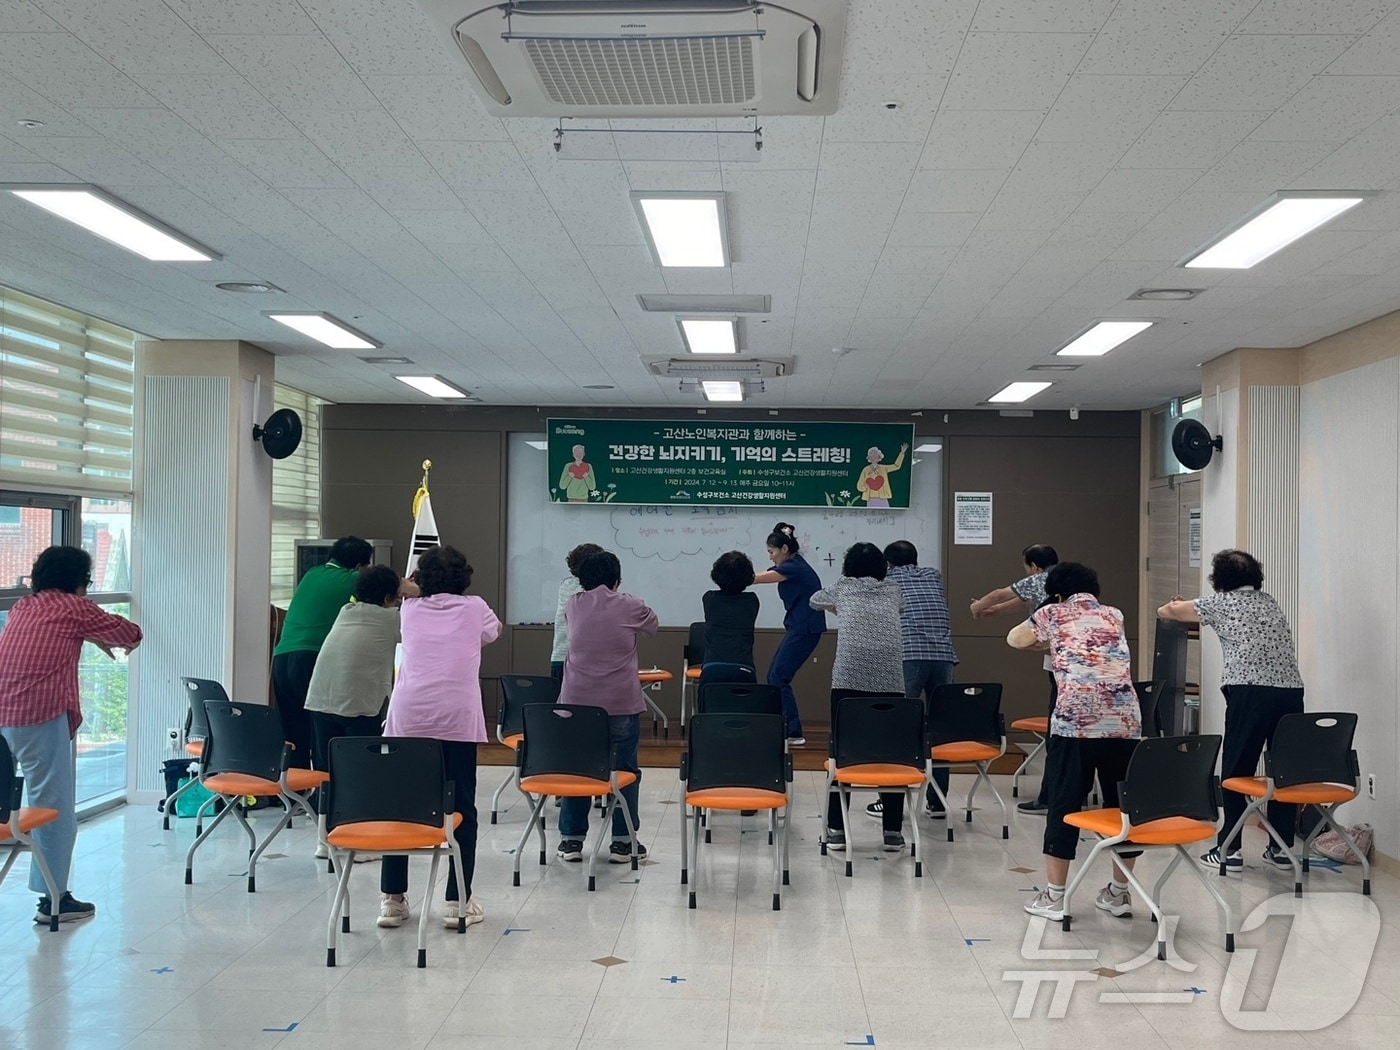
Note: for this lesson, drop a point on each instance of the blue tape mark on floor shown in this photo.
(290, 1028)
(673, 979)
(869, 1040)
(970, 941)
(163, 969)
(1325, 863)
(513, 929)
(1195, 991)
(628, 882)
(238, 874)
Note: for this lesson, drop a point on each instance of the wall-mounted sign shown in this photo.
(972, 518)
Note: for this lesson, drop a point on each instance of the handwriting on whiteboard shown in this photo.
(670, 533)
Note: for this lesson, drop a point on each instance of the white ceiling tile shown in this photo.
(853, 218)
(1369, 160)
(666, 175)
(979, 138)
(12, 152)
(789, 143)
(19, 171)
(1163, 37)
(877, 333)
(1191, 220)
(656, 145)
(482, 167)
(247, 16)
(1263, 166)
(898, 294)
(1332, 109)
(21, 16)
(954, 189)
(379, 37)
(122, 34)
(932, 228)
(866, 167)
(1190, 139)
(1030, 211)
(631, 270)
(1375, 53)
(1013, 71)
(220, 107)
(1259, 72)
(94, 159)
(1308, 16)
(1140, 190)
(1064, 167)
(1043, 16)
(287, 163)
(842, 296)
(296, 72)
(436, 107)
(914, 259)
(923, 35)
(1107, 108)
(67, 72)
(157, 136)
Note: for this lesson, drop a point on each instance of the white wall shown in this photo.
(1219, 530)
(1348, 626)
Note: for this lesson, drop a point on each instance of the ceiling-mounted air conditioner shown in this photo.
(648, 58)
(726, 368)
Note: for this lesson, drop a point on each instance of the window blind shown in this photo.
(296, 492)
(65, 399)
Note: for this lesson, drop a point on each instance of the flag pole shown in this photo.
(422, 487)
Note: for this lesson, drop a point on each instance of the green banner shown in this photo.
(749, 464)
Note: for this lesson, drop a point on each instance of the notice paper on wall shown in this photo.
(1193, 537)
(972, 518)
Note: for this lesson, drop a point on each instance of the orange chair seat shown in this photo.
(306, 779)
(964, 751)
(512, 740)
(569, 786)
(1299, 794)
(194, 748)
(27, 820)
(735, 798)
(652, 677)
(384, 836)
(692, 673)
(298, 780)
(1032, 725)
(1169, 831)
(878, 774)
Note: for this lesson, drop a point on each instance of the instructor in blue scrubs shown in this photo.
(797, 582)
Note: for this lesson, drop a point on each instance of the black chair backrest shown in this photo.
(739, 698)
(386, 778)
(517, 690)
(1314, 748)
(695, 645)
(11, 786)
(887, 729)
(243, 738)
(713, 673)
(568, 739)
(1148, 693)
(731, 749)
(201, 691)
(961, 711)
(1172, 776)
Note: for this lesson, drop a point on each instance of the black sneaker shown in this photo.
(571, 850)
(836, 841)
(935, 813)
(876, 809)
(621, 852)
(1211, 859)
(1277, 857)
(894, 842)
(70, 909)
(1035, 806)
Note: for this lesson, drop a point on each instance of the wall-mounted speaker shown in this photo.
(1192, 444)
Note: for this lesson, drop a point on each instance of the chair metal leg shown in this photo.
(846, 826)
(339, 903)
(685, 831)
(620, 803)
(1077, 878)
(423, 915)
(777, 870)
(984, 774)
(1025, 764)
(694, 852)
(204, 808)
(496, 798)
(917, 850)
(525, 836)
(942, 797)
(456, 855)
(36, 857)
(1214, 892)
(229, 807)
(604, 831)
(826, 799)
(169, 805)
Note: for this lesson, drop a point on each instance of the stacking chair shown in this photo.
(692, 661)
(245, 755)
(717, 673)
(388, 795)
(877, 744)
(1148, 694)
(1169, 799)
(1039, 727)
(16, 823)
(737, 696)
(736, 762)
(517, 690)
(199, 691)
(965, 727)
(567, 751)
(1310, 763)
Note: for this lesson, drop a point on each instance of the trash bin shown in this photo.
(174, 770)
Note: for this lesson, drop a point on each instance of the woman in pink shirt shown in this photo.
(438, 695)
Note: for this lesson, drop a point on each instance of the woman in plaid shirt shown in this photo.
(39, 706)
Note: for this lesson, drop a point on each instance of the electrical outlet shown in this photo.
(1370, 785)
(172, 734)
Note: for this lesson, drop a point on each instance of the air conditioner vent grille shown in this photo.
(681, 71)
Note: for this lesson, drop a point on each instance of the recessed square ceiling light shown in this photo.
(709, 336)
(684, 229)
(434, 386)
(324, 328)
(1015, 393)
(543, 446)
(929, 448)
(668, 303)
(116, 221)
(1275, 224)
(723, 390)
(1102, 337)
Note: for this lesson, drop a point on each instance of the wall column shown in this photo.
(204, 514)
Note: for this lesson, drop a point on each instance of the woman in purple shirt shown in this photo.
(438, 695)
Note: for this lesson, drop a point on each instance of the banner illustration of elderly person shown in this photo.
(578, 480)
(874, 481)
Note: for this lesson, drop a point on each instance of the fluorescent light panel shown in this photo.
(115, 221)
(1282, 222)
(543, 446)
(1103, 337)
(1015, 393)
(433, 386)
(723, 390)
(929, 448)
(685, 229)
(708, 336)
(326, 329)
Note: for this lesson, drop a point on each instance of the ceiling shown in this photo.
(1045, 161)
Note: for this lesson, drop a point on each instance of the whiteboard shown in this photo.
(666, 552)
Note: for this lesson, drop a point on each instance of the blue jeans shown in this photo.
(44, 755)
(921, 678)
(626, 734)
(792, 653)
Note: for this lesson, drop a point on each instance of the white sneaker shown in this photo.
(453, 910)
(392, 910)
(1045, 905)
(1119, 905)
(322, 852)
(365, 858)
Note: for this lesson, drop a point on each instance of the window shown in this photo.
(65, 399)
(296, 493)
(1164, 421)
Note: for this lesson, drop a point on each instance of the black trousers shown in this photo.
(460, 761)
(1070, 765)
(326, 727)
(1043, 798)
(291, 677)
(1252, 713)
(893, 811)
